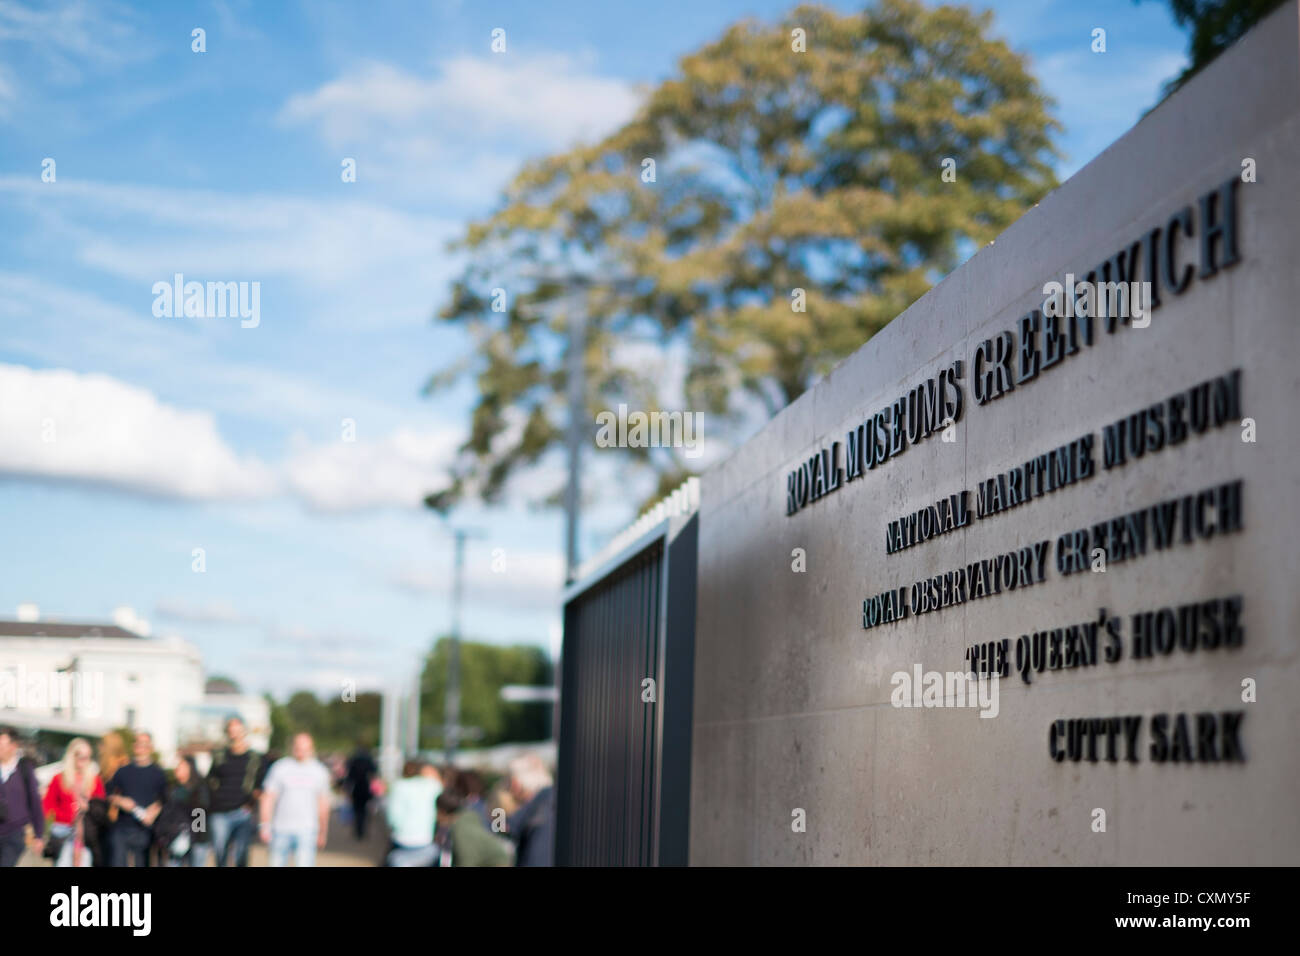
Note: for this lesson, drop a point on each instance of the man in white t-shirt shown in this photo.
(295, 805)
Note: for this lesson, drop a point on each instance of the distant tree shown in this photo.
(281, 724)
(484, 670)
(1213, 25)
(305, 712)
(773, 204)
(335, 725)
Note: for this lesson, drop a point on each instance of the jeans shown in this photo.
(68, 832)
(11, 848)
(360, 806)
(129, 841)
(301, 845)
(232, 828)
(412, 855)
(197, 856)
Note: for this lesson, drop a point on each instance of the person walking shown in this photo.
(295, 805)
(20, 801)
(532, 827)
(233, 784)
(99, 821)
(468, 840)
(360, 772)
(410, 809)
(67, 800)
(469, 785)
(179, 840)
(137, 790)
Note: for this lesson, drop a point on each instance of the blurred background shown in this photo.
(471, 229)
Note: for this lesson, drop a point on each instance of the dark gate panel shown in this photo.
(624, 763)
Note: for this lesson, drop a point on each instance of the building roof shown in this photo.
(65, 630)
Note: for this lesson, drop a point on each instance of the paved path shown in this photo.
(342, 848)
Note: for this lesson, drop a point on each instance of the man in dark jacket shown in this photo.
(20, 800)
(361, 770)
(137, 790)
(532, 827)
(234, 784)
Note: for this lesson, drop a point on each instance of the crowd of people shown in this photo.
(125, 810)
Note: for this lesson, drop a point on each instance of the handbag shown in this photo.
(53, 846)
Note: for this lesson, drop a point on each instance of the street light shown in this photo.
(451, 730)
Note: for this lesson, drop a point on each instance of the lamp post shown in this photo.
(577, 400)
(451, 709)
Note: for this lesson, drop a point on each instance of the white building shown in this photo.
(203, 725)
(89, 678)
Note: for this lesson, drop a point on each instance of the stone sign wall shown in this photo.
(1085, 495)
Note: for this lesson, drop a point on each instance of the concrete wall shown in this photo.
(792, 694)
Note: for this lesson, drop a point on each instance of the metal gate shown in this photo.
(626, 695)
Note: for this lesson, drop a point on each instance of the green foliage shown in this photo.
(336, 725)
(1214, 26)
(280, 724)
(484, 670)
(774, 171)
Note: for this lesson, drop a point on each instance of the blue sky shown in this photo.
(129, 440)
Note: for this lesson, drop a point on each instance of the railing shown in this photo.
(626, 695)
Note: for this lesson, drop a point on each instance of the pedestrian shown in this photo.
(469, 784)
(532, 827)
(181, 833)
(137, 790)
(360, 770)
(410, 808)
(67, 799)
(468, 840)
(113, 756)
(295, 805)
(233, 783)
(102, 815)
(20, 801)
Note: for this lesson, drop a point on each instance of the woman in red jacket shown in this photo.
(68, 797)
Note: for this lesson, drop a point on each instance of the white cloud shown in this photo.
(51, 324)
(7, 94)
(398, 470)
(321, 642)
(212, 612)
(321, 673)
(462, 132)
(93, 428)
(65, 426)
(212, 235)
(526, 579)
(550, 100)
(69, 35)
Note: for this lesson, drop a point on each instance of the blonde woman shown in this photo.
(67, 798)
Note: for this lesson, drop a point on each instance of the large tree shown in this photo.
(789, 165)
